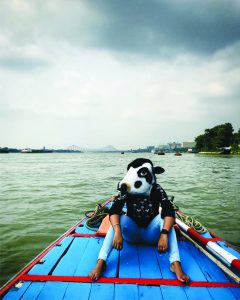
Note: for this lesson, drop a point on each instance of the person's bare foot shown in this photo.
(177, 269)
(96, 273)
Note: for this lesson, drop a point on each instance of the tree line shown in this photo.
(218, 137)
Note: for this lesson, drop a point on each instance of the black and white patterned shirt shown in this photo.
(143, 209)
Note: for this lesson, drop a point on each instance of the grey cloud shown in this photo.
(167, 27)
(150, 28)
(22, 63)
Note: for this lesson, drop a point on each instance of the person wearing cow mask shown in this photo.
(143, 222)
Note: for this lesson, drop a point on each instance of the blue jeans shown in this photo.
(134, 234)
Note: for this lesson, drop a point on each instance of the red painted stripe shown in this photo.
(202, 239)
(236, 263)
(142, 281)
(15, 279)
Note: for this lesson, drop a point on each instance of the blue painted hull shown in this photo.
(76, 256)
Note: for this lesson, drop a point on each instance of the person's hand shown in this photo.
(163, 243)
(118, 241)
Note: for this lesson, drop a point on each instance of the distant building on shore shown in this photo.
(189, 147)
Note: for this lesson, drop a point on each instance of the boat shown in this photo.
(135, 272)
(26, 150)
(159, 152)
(29, 150)
(226, 150)
(178, 154)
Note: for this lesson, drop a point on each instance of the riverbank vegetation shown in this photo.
(218, 138)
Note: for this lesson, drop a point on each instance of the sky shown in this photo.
(129, 73)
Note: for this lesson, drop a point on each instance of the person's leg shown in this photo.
(130, 234)
(151, 235)
(130, 230)
(105, 250)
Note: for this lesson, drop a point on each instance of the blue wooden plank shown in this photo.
(83, 229)
(173, 292)
(221, 293)
(126, 291)
(50, 259)
(210, 270)
(212, 273)
(53, 290)
(129, 262)
(149, 292)
(101, 291)
(169, 292)
(148, 262)
(191, 267)
(77, 291)
(16, 293)
(236, 292)
(112, 264)
(70, 261)
(88, 260)
(33, 291)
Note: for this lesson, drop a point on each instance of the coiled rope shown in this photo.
(188, 220)
(95, 217)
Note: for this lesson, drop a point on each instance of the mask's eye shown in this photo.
(143, 173)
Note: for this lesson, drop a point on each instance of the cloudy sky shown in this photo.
(129, 73)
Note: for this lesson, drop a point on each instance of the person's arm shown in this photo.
(163, 240)
(118, 239)
(114, 214)
(168, 215)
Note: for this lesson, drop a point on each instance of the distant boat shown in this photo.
(29, 150)
(4, 150)
(178, 154)
(26, 150)
(226, 150)
(160, 153)
(122, 152)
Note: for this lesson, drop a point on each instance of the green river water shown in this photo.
(43, 195)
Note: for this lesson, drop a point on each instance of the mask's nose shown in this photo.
(123, 188)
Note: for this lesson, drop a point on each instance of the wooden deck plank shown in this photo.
(101, 291)
(83, 229)
(210, 270)
(191, 267)
(128, 268)
(212, 273)
(149, 268)
(89, 257)
(112, 264)
(129, 262)
(169, 292)
(173, 292)
(16, 293)
(77, 291)
(149, 292)
(221, 293)
(70, 261)
(148, 262)
(33, 291)
(236, 292)
(53, 290)
(50, 259)
(126, 291)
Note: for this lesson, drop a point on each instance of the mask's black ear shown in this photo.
(158, 170)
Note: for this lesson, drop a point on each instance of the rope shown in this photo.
(95, 217)
(188, 220)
